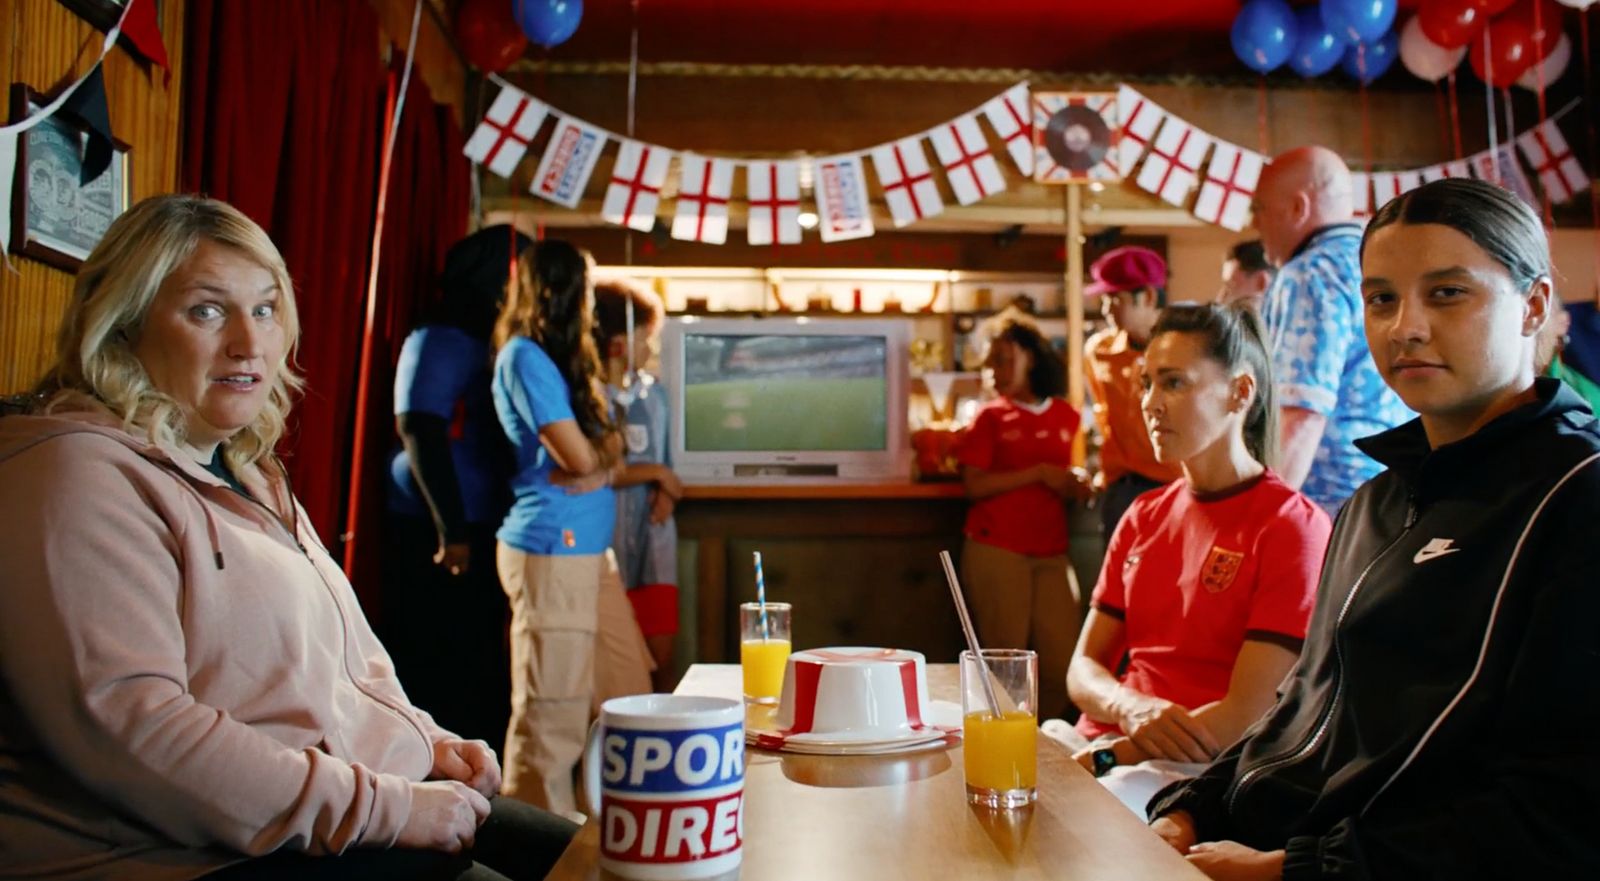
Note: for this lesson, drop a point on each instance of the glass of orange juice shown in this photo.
(1000, 749)
(763, 649)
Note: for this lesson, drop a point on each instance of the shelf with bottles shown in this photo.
(878, 293)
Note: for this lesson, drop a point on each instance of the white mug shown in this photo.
(666, 773)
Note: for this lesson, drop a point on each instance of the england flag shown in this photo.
(704, 186)
(908, 185)
(773, 190)
(967, 162)
(1140, 118)
(1174, 161)
(635, 187)
(1230, 185)
(1009, 115)
(501, 140)
(1553, 163)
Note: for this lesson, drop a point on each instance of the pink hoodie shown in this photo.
(186, 677)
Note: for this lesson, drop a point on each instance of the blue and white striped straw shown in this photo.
(761, 595)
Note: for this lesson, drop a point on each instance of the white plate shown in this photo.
(941, 718)
(893, 749)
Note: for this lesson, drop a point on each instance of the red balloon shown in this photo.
(1547, 31)
(489, 36)
(1450, 24)
(1491, 8)
(1512, 48)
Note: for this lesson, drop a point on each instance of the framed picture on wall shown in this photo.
(55, 218)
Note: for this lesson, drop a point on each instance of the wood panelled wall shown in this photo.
(45, 45)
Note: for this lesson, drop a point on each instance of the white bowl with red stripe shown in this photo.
(855, 695)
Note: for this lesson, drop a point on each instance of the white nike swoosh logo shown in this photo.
(1435, 549)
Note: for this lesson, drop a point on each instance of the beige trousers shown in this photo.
(574, 644)
(1022, 602)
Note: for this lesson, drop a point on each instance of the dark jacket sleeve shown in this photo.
(1511, 788)
(427, 441)
(1202, 797)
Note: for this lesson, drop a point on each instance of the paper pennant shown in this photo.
(968, 164)
(1553, 164)
(1072, 137)
(1173, 165)
(908, 185)
(1390, 185)
(1009, 116)
(1500, 166)
(841, 189)
(88, 106)
(704, 186)
(1140, 118)
(501, 140)
(774, 199)
(568, 161)
(1360, 196)
(635, 187)
(1230, 185)
(1443, 170)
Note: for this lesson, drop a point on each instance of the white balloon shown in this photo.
(1578, 4)
(1426, 59)
(1554, 65)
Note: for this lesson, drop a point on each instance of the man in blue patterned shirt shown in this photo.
(1328, 387)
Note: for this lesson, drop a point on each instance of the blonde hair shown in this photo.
(112, 296)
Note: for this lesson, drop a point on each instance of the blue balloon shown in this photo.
(1317, 50)
(1264, 34)
(548, 22)
(1380, 56)
(1359, 21)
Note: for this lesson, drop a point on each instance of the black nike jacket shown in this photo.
(1444, 718)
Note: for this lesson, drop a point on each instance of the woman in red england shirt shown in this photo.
(1208, 582)
(1017, 465)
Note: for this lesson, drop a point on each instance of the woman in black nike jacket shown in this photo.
(1441, 721)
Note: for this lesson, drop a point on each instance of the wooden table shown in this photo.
(830, 818)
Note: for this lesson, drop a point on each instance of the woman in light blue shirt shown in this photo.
(573, 638)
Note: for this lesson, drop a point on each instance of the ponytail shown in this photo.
(1234, 338)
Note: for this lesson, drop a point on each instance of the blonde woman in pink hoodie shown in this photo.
(188, 686)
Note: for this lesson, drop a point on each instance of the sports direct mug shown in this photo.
(666, 773)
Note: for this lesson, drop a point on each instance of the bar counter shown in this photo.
(859, 561)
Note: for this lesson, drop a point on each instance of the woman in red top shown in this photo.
(1208, 582)
(1017, 464)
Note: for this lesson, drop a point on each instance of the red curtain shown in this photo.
(426, 212)
(283, 109)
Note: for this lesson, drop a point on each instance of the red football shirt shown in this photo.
(1192, 577)
(1006, 436)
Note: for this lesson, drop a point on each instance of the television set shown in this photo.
(787, 400)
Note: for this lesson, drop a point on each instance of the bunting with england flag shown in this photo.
(1140, 118)
(842, 207)
(1057, 137)
(968, 164)
(907, 181)
(1553, 164)
(1008, 115)
(773, 189)
(705, 186)
(568, 161)
(1229, 187)
(1173, 165)
(635, 187)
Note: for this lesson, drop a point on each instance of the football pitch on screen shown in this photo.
(785, 414)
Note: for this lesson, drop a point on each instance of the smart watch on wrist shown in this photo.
(1103, 759)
